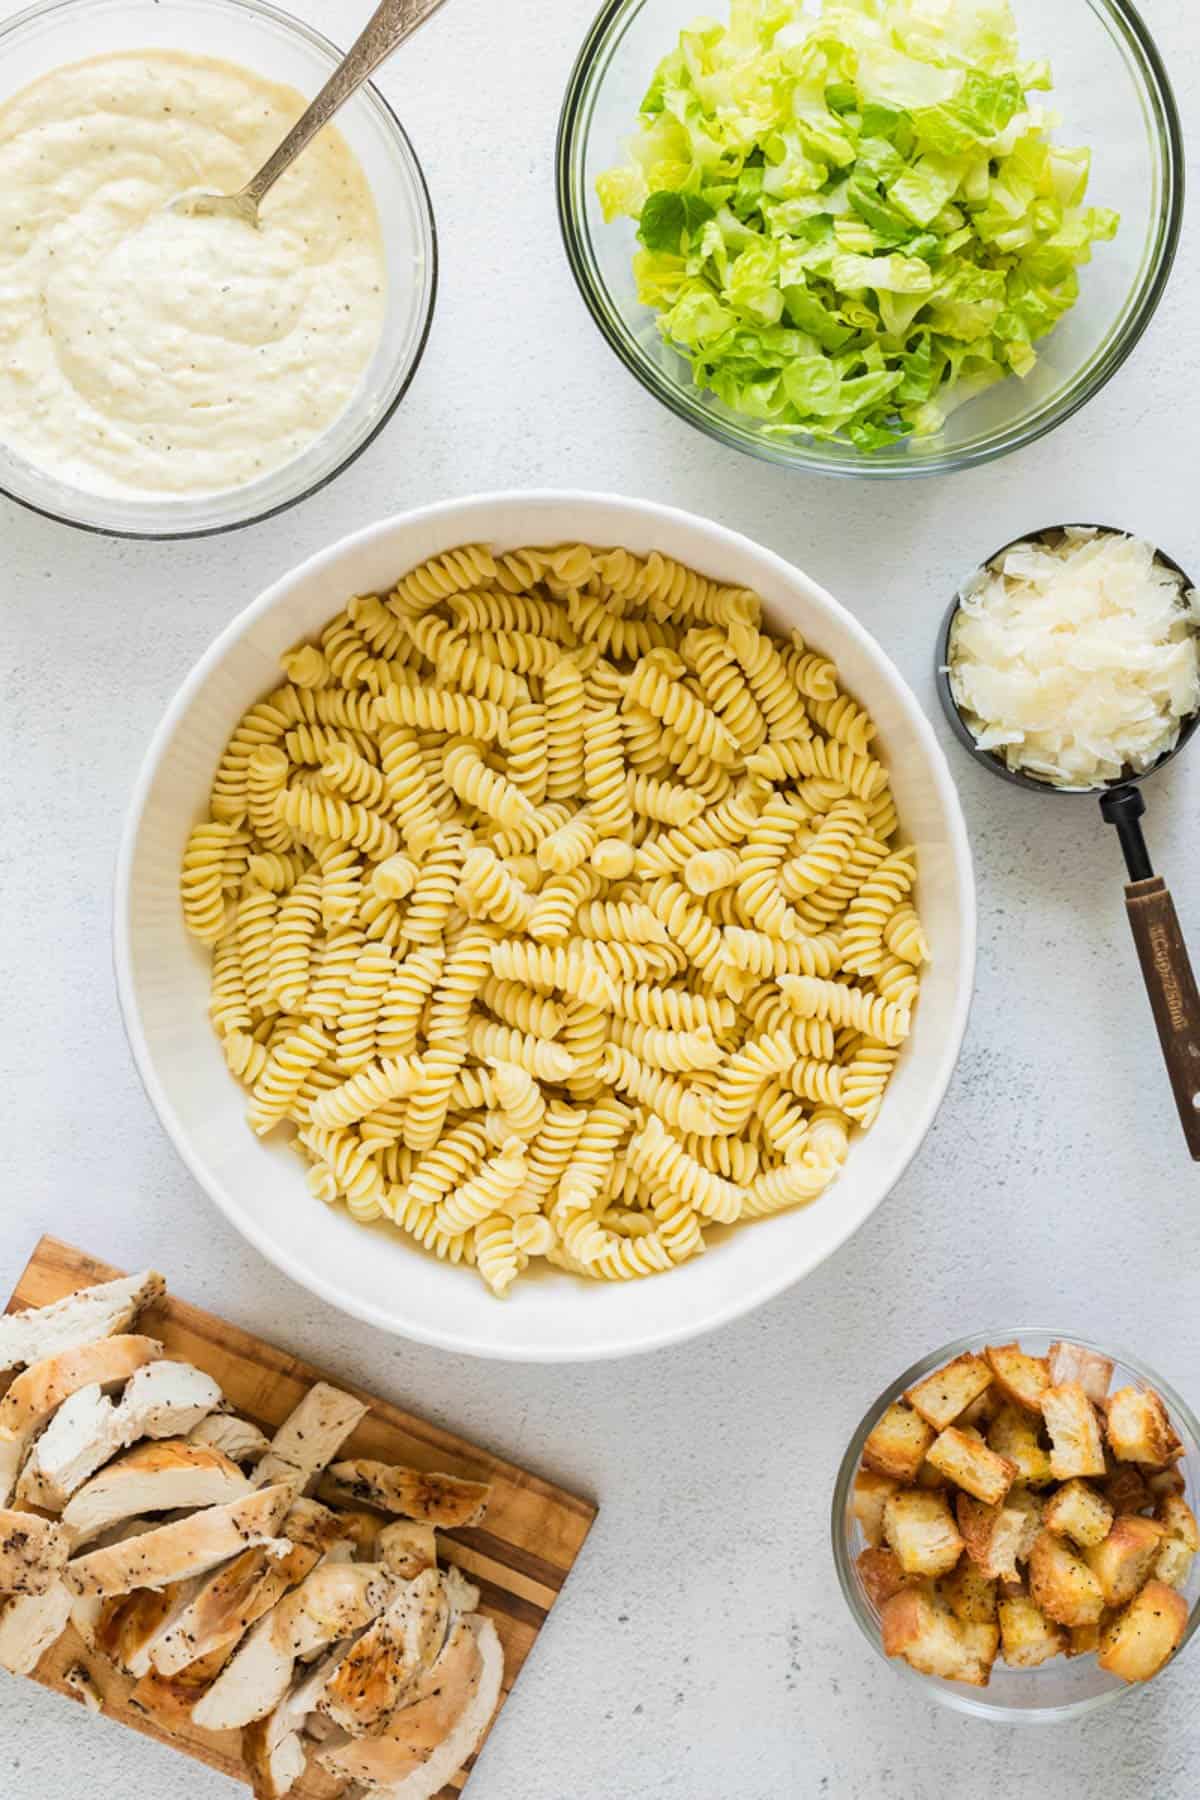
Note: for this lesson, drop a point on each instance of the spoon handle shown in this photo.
(1174, 1000)
(390, 23)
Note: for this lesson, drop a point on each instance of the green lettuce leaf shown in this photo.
(852, 222)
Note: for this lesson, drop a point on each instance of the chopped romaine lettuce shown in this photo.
(851, 222)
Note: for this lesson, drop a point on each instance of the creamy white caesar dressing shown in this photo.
(145, 352)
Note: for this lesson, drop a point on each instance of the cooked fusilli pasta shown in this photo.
(557, 907)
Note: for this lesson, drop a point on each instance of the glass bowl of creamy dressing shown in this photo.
(164, 375)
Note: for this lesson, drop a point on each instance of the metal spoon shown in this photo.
(390, 23)
(1166, 968)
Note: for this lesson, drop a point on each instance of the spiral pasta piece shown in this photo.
(488, 890)
(453, 572)
(815, 677)
(349, 1160)
(278, 870)
(620, 921)
(874, 904)
(497, 1256)
(662, 1048)
(498, 611)
(592, 1158)
(744, 1073)
(458, 664)
(666, 1166)
(480, 786)
(501, 1043)
(758, 953)
(655, 685)
(604, 773)
(563, 696)
(347, 773)
(289, 960)
(674, 1102)
(709, 871)
(229, 1003)
(904, 936)
(375, 1086)
(528, 751)
(518, 1006)
(569, 845)
(558, 904)
(824, 859)
(432, 899)
(842, 1004)
(442, 709)
(494, 1185)
(346, 821)
(358, 1018)
(725, 687)
(777, 1123)
(256, 915)
(430, 1102)
(759, 893)
(665, 802)
(203, 879)
(331, 973)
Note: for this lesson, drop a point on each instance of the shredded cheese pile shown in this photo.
(1076, 662)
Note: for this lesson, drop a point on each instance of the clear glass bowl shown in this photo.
(1064, 1687)
(1112, 93)
(257, 36)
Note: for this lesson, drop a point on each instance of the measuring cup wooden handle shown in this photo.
(1174, 1000)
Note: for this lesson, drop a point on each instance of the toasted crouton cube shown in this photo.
(1071, 1362)
(966, 1460)
(1027, 1637)
(1076, 1446)
(1125, 1488)
(1138, 1642)
(880, 1574)
(1062, 1584)
(944, 1395)
(1123, 1561)
(898, 1443)
(1173, 1563)
(932, 1641)
(969, 1594)
(920, 1528)
(979, 1415)
(870, 1495)
(1030, 1508)
(1083, 1639)
(992, 1535)
(1021, 1379)
(982, 1638)
(1158, 1482)
(1139, 1428)
(1078, 1511)
(1014, 1434)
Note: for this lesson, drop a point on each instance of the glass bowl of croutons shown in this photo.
(1014, 1525)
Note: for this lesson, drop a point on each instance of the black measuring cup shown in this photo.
(1166, 966)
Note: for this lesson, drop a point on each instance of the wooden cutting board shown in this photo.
(519, 1558)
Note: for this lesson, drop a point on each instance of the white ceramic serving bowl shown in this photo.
(372, 1272)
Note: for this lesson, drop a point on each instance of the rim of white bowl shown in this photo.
(747, 1299)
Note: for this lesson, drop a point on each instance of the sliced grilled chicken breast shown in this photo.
(161, 1400)
(41, 1389)
(245, 1590)
(156, 1477)
(429, 1778)
(335, 1601)
(406, 1548)
(310, 1437)
(236, 1438)
(33, 1552)
(378, 1670)
(438, 1699)
(95, 1312)
(184, 1548)
(413, 1493)
(30, 1623)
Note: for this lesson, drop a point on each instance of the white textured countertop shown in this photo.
(702, 1650)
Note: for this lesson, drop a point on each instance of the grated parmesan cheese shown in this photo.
(1076, 662)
